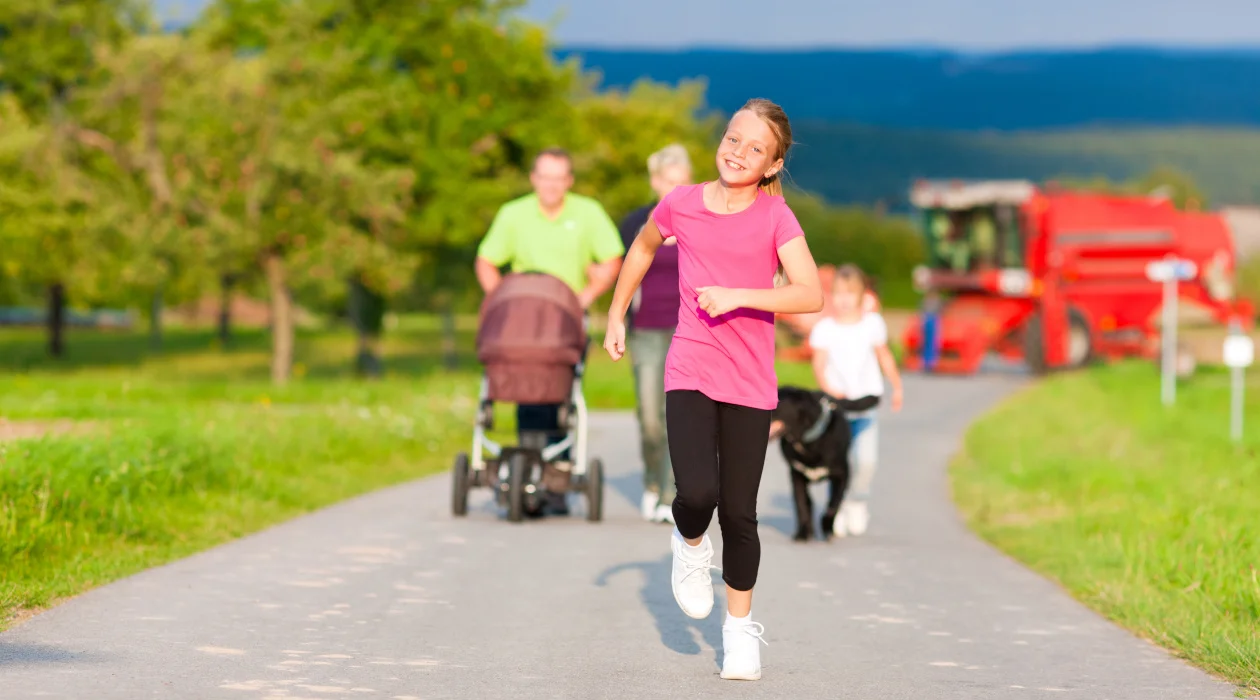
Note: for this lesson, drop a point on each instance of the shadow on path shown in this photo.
(16, 653)
(676, 629)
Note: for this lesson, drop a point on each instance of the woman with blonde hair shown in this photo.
(650, 328)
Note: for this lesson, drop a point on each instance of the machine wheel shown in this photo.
(1034, 348)
(595, 491)
(518, 467)
(1080, 350)
(1080, 340)
(460, 479)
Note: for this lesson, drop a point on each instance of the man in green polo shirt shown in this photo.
(560, 233)
(554, 231)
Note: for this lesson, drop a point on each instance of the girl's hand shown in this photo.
(896, 400)
(615, 338)
(718, 300)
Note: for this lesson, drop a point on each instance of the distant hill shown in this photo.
(949, 90)
(849, 163)
(869, 122)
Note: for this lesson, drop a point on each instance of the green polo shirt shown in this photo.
(564, 247)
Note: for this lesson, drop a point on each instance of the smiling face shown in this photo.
(552, 177)
(749, 151)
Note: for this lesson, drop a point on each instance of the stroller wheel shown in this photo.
(460, 478)
(518, 467)
(595, 491)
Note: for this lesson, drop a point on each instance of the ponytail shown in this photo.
(772, 185)
(774, 117)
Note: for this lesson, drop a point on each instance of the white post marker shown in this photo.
(1170, 271)
(1239, 353)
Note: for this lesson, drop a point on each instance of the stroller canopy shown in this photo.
(530, 338)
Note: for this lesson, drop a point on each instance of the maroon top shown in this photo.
(658, 294)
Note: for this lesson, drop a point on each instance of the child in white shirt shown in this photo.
(851, 361)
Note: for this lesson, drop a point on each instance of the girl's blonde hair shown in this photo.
(775, 118)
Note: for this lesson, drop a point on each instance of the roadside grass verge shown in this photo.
(1149, 515)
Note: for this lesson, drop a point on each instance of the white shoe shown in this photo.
(664, 514)
(690, 578)
(741, 653)
(840, 526)
(856, 518)
(648, 505)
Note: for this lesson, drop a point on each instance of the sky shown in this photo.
(978, 25)
(959, 24)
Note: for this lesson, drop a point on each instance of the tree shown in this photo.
(278, 186)
(618, 130)
(47, 50)
(47, 238)
(132, 119)
(462, 115)
(1161, 181)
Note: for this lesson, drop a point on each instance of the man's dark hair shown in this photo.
(554, 152)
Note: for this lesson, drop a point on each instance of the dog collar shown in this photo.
(820, 426)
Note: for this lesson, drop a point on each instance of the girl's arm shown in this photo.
(802, 294)
(820, 374)
(637, 261)
(889, 365)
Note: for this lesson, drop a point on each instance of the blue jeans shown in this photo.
(863, 456)
(648, 349)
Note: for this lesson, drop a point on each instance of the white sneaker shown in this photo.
(741, 657)
(690, 579)
(648, 505)
(840, 526)
(664, 514)
(857, 517)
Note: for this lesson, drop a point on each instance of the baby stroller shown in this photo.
(531, 339)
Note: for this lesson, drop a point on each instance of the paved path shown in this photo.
(387, 596)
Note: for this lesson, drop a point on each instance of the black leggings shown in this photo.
(718, 450)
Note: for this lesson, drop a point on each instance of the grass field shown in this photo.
(1151, 516)
(151, 456)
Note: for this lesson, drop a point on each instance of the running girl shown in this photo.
(720, 385)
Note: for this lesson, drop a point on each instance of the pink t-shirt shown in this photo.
(729, 358)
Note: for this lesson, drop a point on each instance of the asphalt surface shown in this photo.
(389, 596)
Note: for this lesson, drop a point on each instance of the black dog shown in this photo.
(814, 437)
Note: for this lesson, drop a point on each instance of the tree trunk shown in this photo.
(367, 313)
(225, 311)
(56, 319)
(450, 358)
(155, 320)
(281, 319)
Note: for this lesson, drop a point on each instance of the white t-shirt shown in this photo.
(852, 366)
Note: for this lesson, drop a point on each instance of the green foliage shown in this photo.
(886, 247)
(1249, 279)
(618, 130)
(1162, 181)
(47, 203)
(49, 47)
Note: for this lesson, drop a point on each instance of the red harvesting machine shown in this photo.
(1057, 278)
